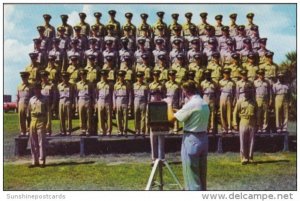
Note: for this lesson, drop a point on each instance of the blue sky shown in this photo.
(277, 22)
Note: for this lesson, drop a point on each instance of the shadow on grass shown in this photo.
(69, 163)
(270, 161)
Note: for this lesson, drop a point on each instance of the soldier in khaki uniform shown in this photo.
(251, 67)
(186, 26)
(49, 92)
(104, 91)
(209, 90)
(49, 29)
(218, 26)
(215, 67)
(68, 28)
(92, 70)
(73, 69)
(197, 67)
(144, 67)
(233, 27)
(85, 27)
(38, 109)
(140, 93)
(115, 23)
(51, 69)
(24, 93)
(263, 96)
(173, 93)
(270, 68)
(33, 68)
(179, 68)
(242, 84)
(101, 27)
(203, 24)
(250, 24)
(234, 67)
(174, 24)
(84, 91)
(121, 101)
(144, 24)
(162, 67)
(282, 92)
(245, 111)
(160, 22)
(227, 90)
(128, 17)
(111, 69)
(66, 104)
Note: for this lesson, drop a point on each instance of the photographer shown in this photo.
(194, 115)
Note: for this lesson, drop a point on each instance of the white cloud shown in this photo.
(16, 52)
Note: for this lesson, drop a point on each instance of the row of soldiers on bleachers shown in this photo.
(105, 97)
(128, 40)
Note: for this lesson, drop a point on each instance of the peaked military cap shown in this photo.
(203, 15)
(251, 55)
(269, 54)
(91, 57)
(33, 55)
(229, 41)
(61, 28)
(63, 16)
(95, 27)
(121, 73)
(55, 40)
(159, 41)
(175, 16)
(109, 42)
(144, 15)
(233, 16)
(197, 56)
(244, 72)
(195, 41)
(127, 56)
(156, 72)
(104, 72)
(81, 15)
(160, 27)
(235, 56)
(24, 74)
(160, 14)
(208, 27)
(263, 40)
(207, 72)
(51, 57)
(124, 40)
(97, 14)
(247, 41)
(180, 56)
(141, 41)
(128, 15)
(40, 28)
(92, 40)
(73, 57)
(161, 56)
(172, 72)
(254, 28)
(225, 28)
(82, 71)
(65, 74)
(177, 41)
(44, 73)
(144, 28)
(260, 71)
(110, 26)
(226, 70)
(191, 73)
(216, 55)
(37, 41)
(127, 28)
(109, 58)
(212, 41)
(47, 16)
(74, 41)
(112, 12)
(218, 17)
(145, 56)
(177, 28)
(77, 28)
(250, 15)
(140, 74)
(192, 27)
(280, 74)
(241, 27)
(188, 15)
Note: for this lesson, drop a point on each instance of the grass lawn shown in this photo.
(272, 171)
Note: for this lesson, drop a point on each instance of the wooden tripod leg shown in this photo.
(153, 171)
(173, 175)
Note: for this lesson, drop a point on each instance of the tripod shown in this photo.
(158, 168)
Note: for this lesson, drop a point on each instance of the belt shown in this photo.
(195, 133)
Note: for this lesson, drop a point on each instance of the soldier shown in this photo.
(227, 90)
(82, 39)
(38, 109)
(176, 50)
(263, 96)
(125, 51)
(130, 37)
(121, 102)
(144, 67)
(93, 51)
(209, 33)
(140, 93)
(68, 28)
(248, 26)
(177, 36)
(51, 69)
(96, 36)
(101, 27)
(161, 34)
(246, 50)
(159, 50)
(33, 68)
(234, 67)
(48, 91)
(178, 66)
(209, 90)
(254, 38)
(111, 69)
(209, 50)
(174, 24)
(160, 21)
(218, 26)
(162, 67)
(222, 40)
(60, 55)
(24, 93)
(194, 50)
(282, 92)
(242, 84)
(75, 51)
(270, 68)
(45, 41)
(203, 24)
(41, 54)
(92, 70)
(64, 42)
(84, 91)
(215, 67)
(66, 104)
(110, 51)
(128, 23)
(139, 52)
(85, 27)
(127, 67)
(262, 50)
(111, 36)
(173, 93)
(186, 26)
(251, 67)
(240, 37)
(49, 29)
(233, 27)
(104, 91)
(73, 70)
(197, 67)
(144, 35)
(245, 111)
(226, 58)
(145, 26)
(115, 23)
(156, 85)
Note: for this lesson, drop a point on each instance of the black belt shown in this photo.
(195, 133)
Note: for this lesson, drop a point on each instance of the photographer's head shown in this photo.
(189, 88)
